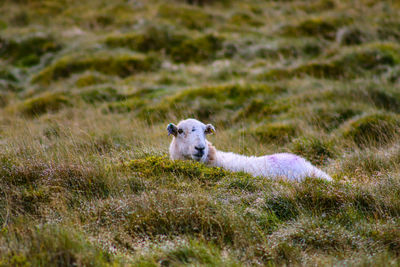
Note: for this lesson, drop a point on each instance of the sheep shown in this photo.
(189, 142)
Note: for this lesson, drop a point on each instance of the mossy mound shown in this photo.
(197, 49)
(208, 102)
(389, 29)
(180, 47)
(47, 102)
(27, 51)
(278, 132)
(259, 109)
(189, 17)
(351, 36)
(316, 6)
(317, 150)
(7, 75)
(243, 18)
(328, 70)
(151, 38)
(161, 167)
(325, 27)
(90, 79)
(121, 65)
(331, 117)
(204, 2)
(373, 129)
(374, 58)
(4, 99)
(371, 57)
(101, 94)
(133, 104)
(286, 48)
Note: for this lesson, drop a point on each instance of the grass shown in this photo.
(88, 88)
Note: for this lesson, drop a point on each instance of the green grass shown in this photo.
(87, 89)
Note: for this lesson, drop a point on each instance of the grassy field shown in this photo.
(87, 89)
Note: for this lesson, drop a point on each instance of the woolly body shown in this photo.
(189, 142)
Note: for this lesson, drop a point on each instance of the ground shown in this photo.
(87, 89)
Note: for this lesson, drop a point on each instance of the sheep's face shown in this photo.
(189, 141)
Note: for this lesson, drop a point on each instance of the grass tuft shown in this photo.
(373, 129)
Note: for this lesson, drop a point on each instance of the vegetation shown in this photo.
(88, 87)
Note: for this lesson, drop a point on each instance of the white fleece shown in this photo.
(276, 165)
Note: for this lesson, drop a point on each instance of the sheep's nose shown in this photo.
(200, 149)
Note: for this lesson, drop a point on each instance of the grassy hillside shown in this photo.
(87, 89)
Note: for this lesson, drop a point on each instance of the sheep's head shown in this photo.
(189, 140)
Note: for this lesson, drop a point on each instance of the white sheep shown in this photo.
(189, 142)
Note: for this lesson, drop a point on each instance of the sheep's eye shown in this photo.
(180, 131)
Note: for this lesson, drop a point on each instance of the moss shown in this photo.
(283, 207)
(89, 79)
(287, 48)
(47, 102)
(3, 25)
(241, 18)
(350, 36)
(257, 109)
(315, 149)
(180, 47)
(204, 2)
(371, 57)
(278, 132)
(330, 70)
(393, 75)
(350, 64)
(373, 129)
(162, 166)
(7, 75)
(151, 38)
(208, 102)
(192, 18)
(197, 49)
(28, 50)
(4, 99)
(316, 26)
(134, 104)
(121, 65)
(389, 29)
(106, 94)
(317, 6)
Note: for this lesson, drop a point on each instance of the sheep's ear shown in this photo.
(209, 129)
(172, 129)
